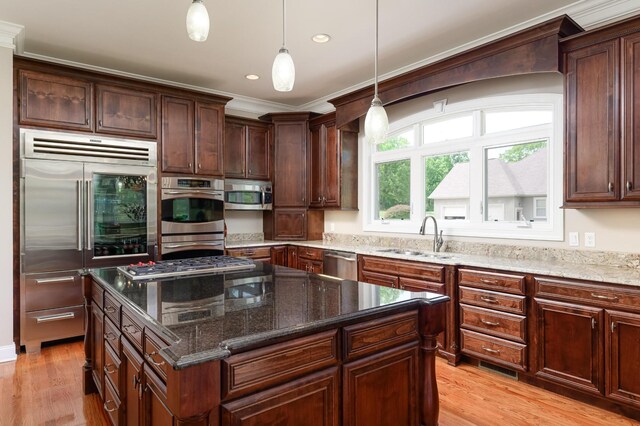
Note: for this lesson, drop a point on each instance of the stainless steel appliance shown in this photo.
(192, 211)
(180, 267)
(242, 194)
(341, 264)
(85, 202)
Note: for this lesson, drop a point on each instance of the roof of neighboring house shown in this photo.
(527, 177)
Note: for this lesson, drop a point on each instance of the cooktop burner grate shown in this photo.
(179, 267)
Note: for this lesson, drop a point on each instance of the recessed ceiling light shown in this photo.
(321, 38)
(252, 77)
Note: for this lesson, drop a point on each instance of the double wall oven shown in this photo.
(192, 211)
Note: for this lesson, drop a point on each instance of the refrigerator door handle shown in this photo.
(89, 236)
(80, 221)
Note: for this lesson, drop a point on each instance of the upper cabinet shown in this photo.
(247, 146)
(602, 112)
(126, 111)
(56, 101)
(333, 164)
(192, 136)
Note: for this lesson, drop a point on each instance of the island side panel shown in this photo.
(432, 322)
(88, 385)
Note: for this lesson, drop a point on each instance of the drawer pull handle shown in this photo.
(56, 280)
(493, 351)
(152, 361)
(106, 406)
(610, 187)
(488, 299)
(130, 328)
(491, 323)
(57, 317)
(109, 368)
(487, 281)
(110, 336)
(600, 296)
(629, 186)
(110, 310)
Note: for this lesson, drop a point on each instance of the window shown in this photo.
(487, 167)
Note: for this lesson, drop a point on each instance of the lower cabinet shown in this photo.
(97, 348)
(310, 401)
(622, 346)
(279, 255)
(132, 386)
(155, 411)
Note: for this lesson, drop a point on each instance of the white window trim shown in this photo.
(551, 230)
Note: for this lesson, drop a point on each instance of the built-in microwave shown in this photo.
(247, 195)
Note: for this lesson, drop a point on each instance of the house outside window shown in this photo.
(482, 168)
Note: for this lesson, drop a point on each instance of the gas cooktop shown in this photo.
(180, 267)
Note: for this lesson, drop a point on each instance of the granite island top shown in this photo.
(211, 316)
(591, 272)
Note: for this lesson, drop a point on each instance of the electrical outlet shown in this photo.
(574, 239)
(589, 239)
(332, 226)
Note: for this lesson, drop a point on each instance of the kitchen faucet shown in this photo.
(437, 238)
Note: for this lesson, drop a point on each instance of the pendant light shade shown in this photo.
(283, 72)
(376, 123)
(197, 21)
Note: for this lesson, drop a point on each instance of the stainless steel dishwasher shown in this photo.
(341, 264)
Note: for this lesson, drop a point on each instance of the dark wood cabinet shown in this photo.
(126, 111)
(333, 164)
(192, 137)
(311, 400)
(132, 383)
(622, 353)
(293, 224)
(247, 149)
(279, 255)
(154, 398)
(310, 260)
(57, 101)
(390, 379)
(602, 113)
(570, 344)
(97, 348)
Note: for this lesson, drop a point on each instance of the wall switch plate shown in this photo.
(574, 239)
(589, 239)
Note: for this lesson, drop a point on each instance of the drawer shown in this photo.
(47, 291)
(493, 349)
(408, 269)
(252, 252)
(265, 367)
(379, 279)
(494, 300)
(607, 296)
(131, 329)
(112, 368)
(53, 324)
(97, 294)
(152, 346)
(112, 405)
(495, 323)
(374, 336)
(310, 253)
(411, 284)
(112, 308)
(492, 280)
(112, 335)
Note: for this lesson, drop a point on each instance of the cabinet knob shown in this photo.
(190, 164)
(86, 121)
(250, 171)
(610, 186)
(199, 165)
(629, 186)
(100, 123)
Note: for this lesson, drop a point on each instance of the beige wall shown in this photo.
(6, 200)
(615, 229)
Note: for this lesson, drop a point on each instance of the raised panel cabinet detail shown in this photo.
(622, 348)
(127, 112)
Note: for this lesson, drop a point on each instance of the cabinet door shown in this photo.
(97, 348)
(570, 344)
(290, 184)
(177, 135)
(592, 127)
(390, 379)
(279, 255)
(208, 142)
(309, 401)
(132, 392)
(234, 150)
(127, 112)
(316, 166)
(623, 357)
(305, 264)
(55, 101)
(631, 108)
(258, 158)
(154, 397)
(290, 224)
(378, 279)
(292, 257)
(332, 152)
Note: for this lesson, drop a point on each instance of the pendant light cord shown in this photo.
(375, 66)
(284, 18)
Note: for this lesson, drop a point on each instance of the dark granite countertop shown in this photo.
(208, 317)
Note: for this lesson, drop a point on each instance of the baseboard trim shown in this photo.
(8, 353)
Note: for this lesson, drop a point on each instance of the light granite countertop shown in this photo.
(590, 272)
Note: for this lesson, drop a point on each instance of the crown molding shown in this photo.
(12, 36)
(590, 14)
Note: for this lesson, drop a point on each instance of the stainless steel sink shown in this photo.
(402, 251)
(436, 256)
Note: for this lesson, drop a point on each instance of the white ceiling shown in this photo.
(148, 37)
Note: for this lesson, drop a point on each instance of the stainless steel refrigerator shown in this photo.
(85, 202)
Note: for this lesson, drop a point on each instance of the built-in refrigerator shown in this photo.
(85, 202)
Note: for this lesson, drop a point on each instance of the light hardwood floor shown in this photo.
(46, 389)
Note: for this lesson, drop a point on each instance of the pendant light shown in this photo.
(283, 72)
(197, 21)
(376, 123)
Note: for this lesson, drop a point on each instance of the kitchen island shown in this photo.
(267, 345)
